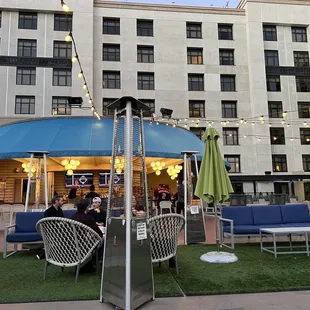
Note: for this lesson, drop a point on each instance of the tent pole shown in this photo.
(185, 198)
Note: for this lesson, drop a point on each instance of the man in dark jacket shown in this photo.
(82, 216)
(53, 211)
(97, 213)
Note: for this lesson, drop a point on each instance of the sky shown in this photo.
(216, 3)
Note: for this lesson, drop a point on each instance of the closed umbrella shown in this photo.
(213, 185)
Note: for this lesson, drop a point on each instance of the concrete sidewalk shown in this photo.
(266, 301)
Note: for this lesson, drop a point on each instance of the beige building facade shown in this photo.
(237, 69)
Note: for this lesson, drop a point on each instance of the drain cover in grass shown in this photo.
(219, 257)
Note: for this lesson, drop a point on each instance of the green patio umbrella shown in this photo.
(213, 184)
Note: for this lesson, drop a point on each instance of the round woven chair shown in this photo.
(165, 231)
(68, 243)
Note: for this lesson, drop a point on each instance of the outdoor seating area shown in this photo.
(22, 276)
(24, 230)
(241, 221)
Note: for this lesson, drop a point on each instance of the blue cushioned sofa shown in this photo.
(247, 220)
(24, 231)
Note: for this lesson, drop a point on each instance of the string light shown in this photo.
(75, 59)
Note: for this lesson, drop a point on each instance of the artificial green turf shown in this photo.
(254, 272)
(21, 280)
(21, 276)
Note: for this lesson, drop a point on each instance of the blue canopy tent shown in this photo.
(87, 136)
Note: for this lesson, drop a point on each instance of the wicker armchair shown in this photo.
(165, 231)
(67, 243)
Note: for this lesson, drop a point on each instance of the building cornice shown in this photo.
(167, 8)
(242, 3)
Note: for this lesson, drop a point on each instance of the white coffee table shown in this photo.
(284, 231)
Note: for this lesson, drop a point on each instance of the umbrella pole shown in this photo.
(216, 229)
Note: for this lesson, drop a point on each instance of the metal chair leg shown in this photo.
(176, 265)
(77, 272)
(45, 270)
(5, 249)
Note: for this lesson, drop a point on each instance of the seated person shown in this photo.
(163, 194)
(82, 216)
(97, 213)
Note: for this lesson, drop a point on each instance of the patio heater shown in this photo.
(194, 215)
(35, 177)
(127, 272)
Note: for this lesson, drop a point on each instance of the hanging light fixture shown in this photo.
(70, 165)
(173, 171)
(158, 166)
(26, 168)
(119, 164)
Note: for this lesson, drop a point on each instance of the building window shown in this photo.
(26, 48)
(194, 56)
(234, 161)
(299, 34)
(302, 84)
(229, 109)
(277, 136)
(60, 106)
(198, 131)
(273, 83)
(25, 76)
(24, 105)
(151, 104)
(231, 136)
(62, 22)
(305, 136)
(62, 77)
(146, 80)
(145, 54)
(105, 103)
(111, 79)
(228, 82)
(196, 82)
(271, 59)
(27, 20)
(225, 32)
(111, 26)
(227, 57)
(193, 30)
(301, 59)
(279, 163)
(306, 163)
(196, 108)
(270, 32)
(62, 49)
(144, 28)
(111, 52)
(303, 109)
(275, 109)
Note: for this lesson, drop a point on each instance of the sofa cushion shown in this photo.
(24, 237)
(243, 229)
(68, 213)
(26, 221)
(296, 213)
(240, 215)
(264, 215)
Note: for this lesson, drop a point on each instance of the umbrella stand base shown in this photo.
(219, 257)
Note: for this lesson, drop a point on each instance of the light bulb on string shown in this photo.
(87, 94)
(157, 123)
(282, 122)
(84, 86)
(68, 38)
(64, 6)
(90, 101)
(291, 139)
(92, 108)
(196, 125)
(270, 125)
(244, 136)
(74, 58)
(174, 125)
(167, 124)
(288, 125)
(242, 121)
(284, 113)
(253, 124)
(261, 118)
(80, 75)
